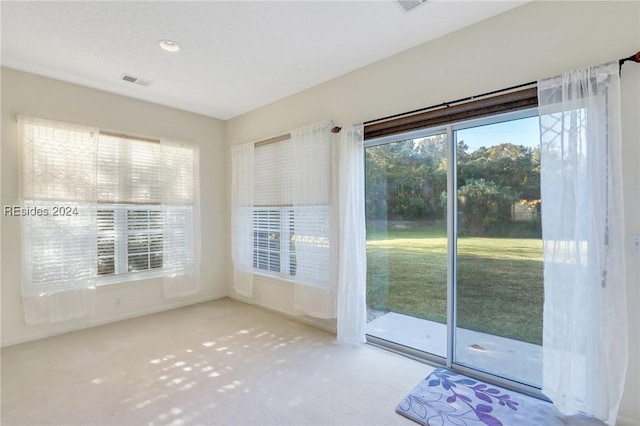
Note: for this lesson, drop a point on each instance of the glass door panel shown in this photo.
(499, 283)
(454, 250)
(406, 211)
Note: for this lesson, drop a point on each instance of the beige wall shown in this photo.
(27, 94)
(534, 41)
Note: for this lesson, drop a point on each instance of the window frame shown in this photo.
(121, 233)
(390, 134)
(293, 170)
(284, 226)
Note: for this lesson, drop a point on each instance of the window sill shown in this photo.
(129, 277)
(276, 278)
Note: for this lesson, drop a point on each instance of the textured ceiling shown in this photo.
(236, 55)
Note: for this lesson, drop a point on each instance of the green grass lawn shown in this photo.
(499, 290)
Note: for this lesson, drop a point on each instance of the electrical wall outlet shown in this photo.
(633, 244)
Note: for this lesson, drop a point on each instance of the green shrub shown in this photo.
(483, 204)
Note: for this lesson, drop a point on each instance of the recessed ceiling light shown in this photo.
(169, 46)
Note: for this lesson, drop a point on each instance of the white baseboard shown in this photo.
(298, 318)
(156, 310)
(89, 324)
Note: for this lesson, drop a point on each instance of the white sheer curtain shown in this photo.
(585, 320)
(242, 173)
(352, 260)
(315, 290)
(180, 218)
(58, 193)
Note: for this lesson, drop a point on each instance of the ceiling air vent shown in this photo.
(135, 80)
(407, 5)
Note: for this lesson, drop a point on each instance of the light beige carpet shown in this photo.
(215, 363)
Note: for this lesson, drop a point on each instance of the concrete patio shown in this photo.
(508, 358)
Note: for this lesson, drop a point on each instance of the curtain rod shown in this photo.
(633, 58)
(450, 103)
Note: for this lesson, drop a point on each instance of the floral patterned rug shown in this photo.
(446, 398)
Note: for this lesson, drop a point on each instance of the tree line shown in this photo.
(407, 181)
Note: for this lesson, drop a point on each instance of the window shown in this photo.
(129, 214)
(144, 240)
(273, 240)
(283, 215)
(129, 239)
(281, 207)
(273, 215)
(125, 208)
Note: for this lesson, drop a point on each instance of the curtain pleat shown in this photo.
(352, 258)
(311, 196)
(242, 234)
(180, 219)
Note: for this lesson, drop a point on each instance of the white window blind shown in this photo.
(273, 227)
(144, 239)
(130, 239)
(130, 229)
(266, 239)
(108, 236)
(129, 170)
(273, 240)
(273, 175)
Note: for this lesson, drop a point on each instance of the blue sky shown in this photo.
(524, 131)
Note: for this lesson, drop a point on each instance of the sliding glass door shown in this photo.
(454, 246)
(498, 257)
(407, 241)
